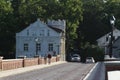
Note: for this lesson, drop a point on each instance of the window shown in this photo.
(25, 47)
(48, 33)
(50, 47)
(42, 33)
(106, 38)
(38, 47)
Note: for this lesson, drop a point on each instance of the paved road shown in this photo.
(65, 71)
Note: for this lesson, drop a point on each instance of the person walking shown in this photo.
(49, 58)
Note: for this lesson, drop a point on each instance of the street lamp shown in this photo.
(112, 22)
(36, 40)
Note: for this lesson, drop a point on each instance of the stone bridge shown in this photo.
(62, 71)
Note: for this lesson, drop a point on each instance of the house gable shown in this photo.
(102, 41)
(39, 28)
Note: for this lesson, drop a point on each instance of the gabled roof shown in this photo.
(38, 25)
(117, 39)
(115, 30)
(56, 29)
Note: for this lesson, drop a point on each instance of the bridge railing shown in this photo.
(97, 72)
(7, 64)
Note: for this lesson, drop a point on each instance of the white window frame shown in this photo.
(50, 47)
(26, 47)
(38, 46)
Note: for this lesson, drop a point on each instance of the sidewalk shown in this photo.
(25, 69)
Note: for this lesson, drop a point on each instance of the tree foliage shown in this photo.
(92, 16)
(96, 18)
(25, 12)
(93, 25)
(6, 26)
(54, 9)
(96, 23)
(71, 9)
(113, 7)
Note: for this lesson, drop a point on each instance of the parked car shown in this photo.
(90, 60)
(75, 57)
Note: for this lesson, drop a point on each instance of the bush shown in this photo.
(95, 52)
(98, 54)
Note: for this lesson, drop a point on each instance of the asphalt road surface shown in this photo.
(65, 71)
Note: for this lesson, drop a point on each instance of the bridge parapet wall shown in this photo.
(112, 66)
(1, 62)
(7, 64)
(11, 64)
(97, 72)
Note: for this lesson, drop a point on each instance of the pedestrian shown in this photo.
(49, 58)
(54, 53)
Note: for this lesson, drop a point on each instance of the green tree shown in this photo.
(70, 10)
(72, 13)
(96, 18)
(6, 28)
(30, 10)
(112, 7)
(94, 24)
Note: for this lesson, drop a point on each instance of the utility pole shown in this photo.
(112, 22)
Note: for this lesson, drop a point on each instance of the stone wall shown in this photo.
(12, 64)
(30, 61)
(1, 62)
(8, 64)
